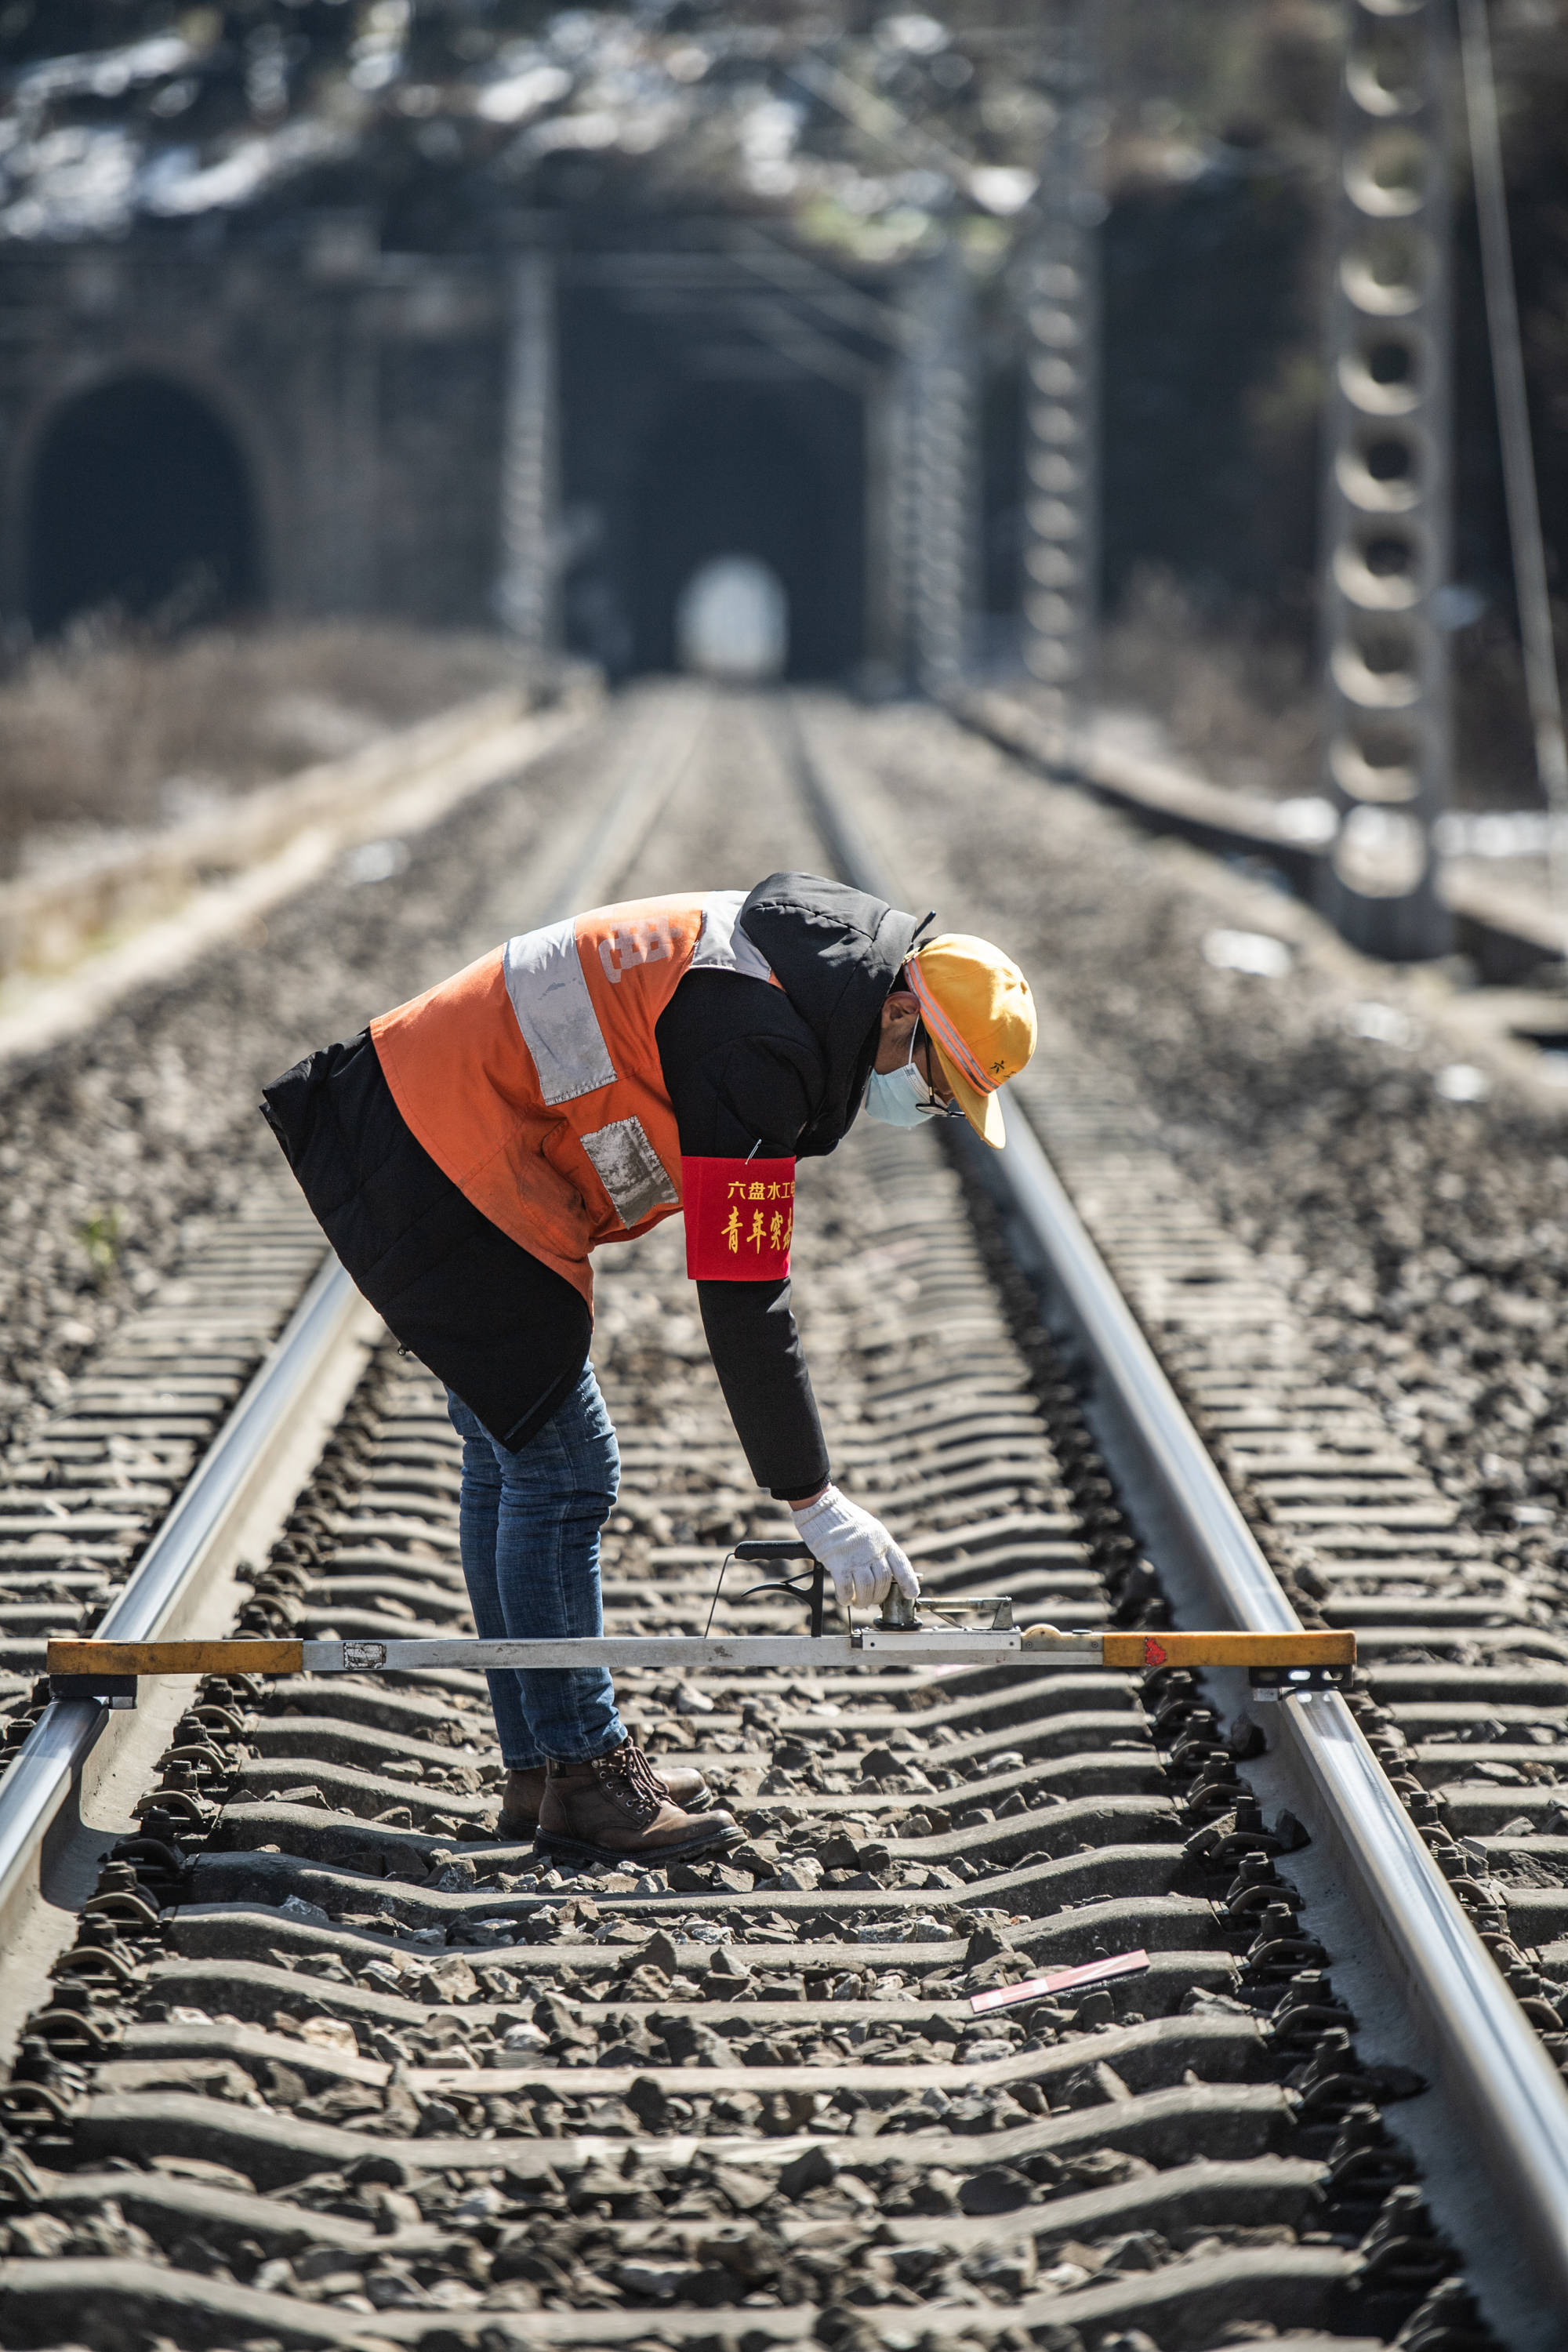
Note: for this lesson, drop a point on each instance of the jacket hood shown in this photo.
(835, 951)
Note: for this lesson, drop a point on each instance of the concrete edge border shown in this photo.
(385, 802)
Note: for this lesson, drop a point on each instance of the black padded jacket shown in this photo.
(746, 1065)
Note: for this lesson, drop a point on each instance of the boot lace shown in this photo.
(630, 1779)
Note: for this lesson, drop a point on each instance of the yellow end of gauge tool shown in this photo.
(965, 1628)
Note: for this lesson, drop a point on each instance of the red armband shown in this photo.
(739, 1215)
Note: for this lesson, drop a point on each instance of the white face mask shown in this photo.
(902, 1098)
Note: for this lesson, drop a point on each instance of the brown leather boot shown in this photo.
(615, 1809)
(524, 1793)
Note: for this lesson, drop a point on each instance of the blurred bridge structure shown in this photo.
(1388, 481)
(563, 359)
(530, 333)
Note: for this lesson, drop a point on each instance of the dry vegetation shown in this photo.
(1237, 701)
(1240, 699)
(116, 730)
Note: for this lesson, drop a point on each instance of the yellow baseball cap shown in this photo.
(980, 1016)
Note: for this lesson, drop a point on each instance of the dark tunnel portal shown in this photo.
(138, 500)
(730, 475)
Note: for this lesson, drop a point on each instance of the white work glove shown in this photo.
(855, 1549)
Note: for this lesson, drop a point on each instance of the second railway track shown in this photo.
(327, 2065)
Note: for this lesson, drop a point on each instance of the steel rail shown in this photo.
(1493, 2067)
(188, 1549)
(167, 1583)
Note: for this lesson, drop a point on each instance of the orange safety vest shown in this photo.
(532, 1078)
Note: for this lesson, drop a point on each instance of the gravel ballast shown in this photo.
(121, 1150)
(1422, 1238)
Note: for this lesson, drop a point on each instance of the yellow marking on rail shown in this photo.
(175, 1658)
(1229, 1649)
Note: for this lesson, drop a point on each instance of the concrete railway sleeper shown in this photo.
(328, 2064)
(397, 2080)
(1176, 1298)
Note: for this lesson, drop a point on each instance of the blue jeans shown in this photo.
(529, 1525)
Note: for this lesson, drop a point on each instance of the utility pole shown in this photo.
(1530, 579)
(526, 597)
(941, 520)
(1387, 486)
(1061, 386)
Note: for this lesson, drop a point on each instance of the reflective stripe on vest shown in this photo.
(630, 1170)
(549, 993)
(549, 988)
(723, 945)
(533, 1081)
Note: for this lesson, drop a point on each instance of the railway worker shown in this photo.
(467, 1152)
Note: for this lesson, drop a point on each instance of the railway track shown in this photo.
(83, 1497)
(328, 2065)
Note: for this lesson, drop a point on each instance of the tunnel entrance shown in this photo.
(733, 475)
(138, 501)
(732, 622)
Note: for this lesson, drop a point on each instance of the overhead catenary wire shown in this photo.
(1525, 538)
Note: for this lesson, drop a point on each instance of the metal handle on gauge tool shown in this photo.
(763, 1548)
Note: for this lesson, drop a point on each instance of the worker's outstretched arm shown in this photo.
(742, 1077)
(743, 1083)
(755, 1348)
